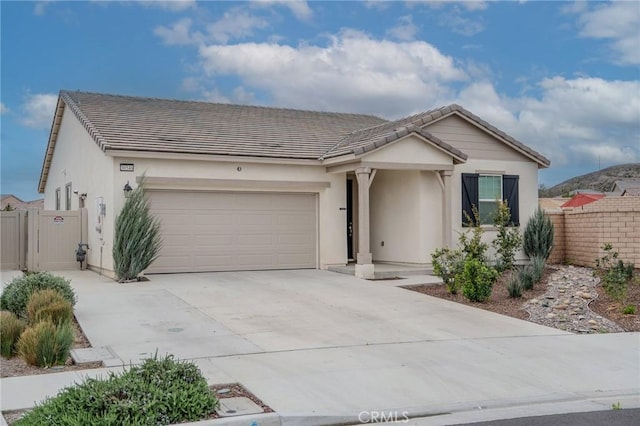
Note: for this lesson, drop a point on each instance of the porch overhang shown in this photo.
(380, 165)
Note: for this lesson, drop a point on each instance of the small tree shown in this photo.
(538, 235)
(137, 239)
(473, 247)
(508, 240)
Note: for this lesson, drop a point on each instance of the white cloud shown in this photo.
(170, 5)
(461, 25)
(604, 126)
(3, 108)
(406, 30)
(38, 110)
(178, 34)
(616, 21)
(354, 72)
(40, 7)
(299, 8)
(235, 23)
(470, 5)
(376, 4)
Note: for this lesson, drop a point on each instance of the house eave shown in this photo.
(156, 155)
(51, 144)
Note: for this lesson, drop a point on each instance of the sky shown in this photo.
(561, 77)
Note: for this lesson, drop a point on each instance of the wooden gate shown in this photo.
(42, 240)
(13, 244)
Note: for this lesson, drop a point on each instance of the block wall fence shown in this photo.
(581, 232)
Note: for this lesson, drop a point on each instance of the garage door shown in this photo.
(234, 231)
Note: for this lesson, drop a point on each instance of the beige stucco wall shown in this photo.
(79, 160)
(411, 149)
(406, 214)
(331, 219)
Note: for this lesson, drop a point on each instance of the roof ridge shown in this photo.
(196, 101)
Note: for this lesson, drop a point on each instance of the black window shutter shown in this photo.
(510, 192)
(469, 196)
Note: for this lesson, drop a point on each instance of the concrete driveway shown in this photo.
(322, 348)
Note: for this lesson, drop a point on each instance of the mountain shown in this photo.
(602, 180)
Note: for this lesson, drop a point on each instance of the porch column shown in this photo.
(364, 264)
(447, 222)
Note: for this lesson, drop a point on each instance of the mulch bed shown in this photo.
(499, 301)
(609, 308)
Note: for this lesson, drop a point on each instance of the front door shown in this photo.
(350, 255)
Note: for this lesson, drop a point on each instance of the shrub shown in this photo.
(448, 264)
(514, 286)
(473, 247)
(159, 391)
(11, 327)
(137, 239)
(538, 235)
(629, 310)
(46, 344)
(526, 277)
(537, 268)
(48, 305)
(508, 239)
(17, 293)
(477, 280)
(615, 274)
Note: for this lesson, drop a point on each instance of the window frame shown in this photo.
(58, 195)
(470, 196)
(67, 196)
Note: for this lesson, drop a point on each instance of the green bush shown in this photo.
(137, 238)
(16, 294)
(538, 235)
(629, 310)
(11, 327)
(472, 246)
(48, 305)
(508, 239)
(448, 264)
(526, 276)
(46, 344)
(537, 268)
(615, 274)
(477, 280)
(157, 392)
(514, 286)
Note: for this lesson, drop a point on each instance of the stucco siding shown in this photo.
(396, 217)
(409, 150)
(79, 160)
(331, 220)
(471, 140)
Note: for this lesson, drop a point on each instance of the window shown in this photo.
(57, 198)
(67, 196)
(489, 192)
(482, 191)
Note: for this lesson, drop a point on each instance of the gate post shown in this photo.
(32, 240)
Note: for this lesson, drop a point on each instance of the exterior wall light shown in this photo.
(127, 190)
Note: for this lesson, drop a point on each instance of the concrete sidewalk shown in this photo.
(321, 348)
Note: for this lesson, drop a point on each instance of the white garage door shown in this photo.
(234, 231)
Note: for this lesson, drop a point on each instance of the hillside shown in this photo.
(602, 180)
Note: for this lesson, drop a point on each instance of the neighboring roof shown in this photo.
(126, 123)
(632, 192)
(551, 203)
(582, 199)
(622, 184)
(17, 204)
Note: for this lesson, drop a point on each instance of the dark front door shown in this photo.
(350, 219)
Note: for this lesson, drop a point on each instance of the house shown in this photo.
(255, 188)
(580, 199)
(11, 202)
(626, 187)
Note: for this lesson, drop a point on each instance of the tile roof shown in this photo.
(162, 125)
